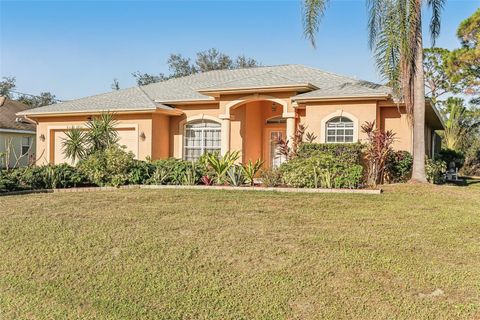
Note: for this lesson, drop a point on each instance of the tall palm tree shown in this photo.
(396, 38)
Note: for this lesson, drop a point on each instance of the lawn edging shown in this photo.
(197, 187)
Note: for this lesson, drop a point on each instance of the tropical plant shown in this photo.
(288, 148)
(220, 164)
(396, 40)
(74, 145)
(377, 150)
(251, 169)
(310, 137)
(235, 176)
(99, 134)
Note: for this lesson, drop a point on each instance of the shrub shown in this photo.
(44, 177)
(140, 172)
(271, 177)
(451, 156)
(345, 152)
(109, 167)
(8, 181)
(168, 171)
(322, 170)
(435, 171)
(399, 166)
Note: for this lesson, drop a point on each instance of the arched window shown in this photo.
(201, 136)
(339, 130)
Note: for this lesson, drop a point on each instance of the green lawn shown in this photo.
(168, 254)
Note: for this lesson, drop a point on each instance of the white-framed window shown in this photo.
(339, 130)
(26, 145)
(201, 136)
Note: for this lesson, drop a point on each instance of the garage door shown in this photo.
(59, 154)
(128, 137)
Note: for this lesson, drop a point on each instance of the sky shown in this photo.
(76, 48)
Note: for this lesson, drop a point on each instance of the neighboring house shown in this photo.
(244, 110)
(17, 135)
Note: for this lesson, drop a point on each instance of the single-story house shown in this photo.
(245, 110)
(17, 135)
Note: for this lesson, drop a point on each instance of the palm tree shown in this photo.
(102, 131)
(396, 39)
(74, 144)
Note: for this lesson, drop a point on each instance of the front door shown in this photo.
(272, 136)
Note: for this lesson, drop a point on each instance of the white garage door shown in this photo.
(59, 155)
(128, 137)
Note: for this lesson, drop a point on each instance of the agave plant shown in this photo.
(190, 176)
(235, 176)
(220, 165)
(250, 170)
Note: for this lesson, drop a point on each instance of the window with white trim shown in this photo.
(339, 130)
(26, 145)
(201, 136)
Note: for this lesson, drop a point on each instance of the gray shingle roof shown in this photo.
(124, 99)
(187, 88)
(347, 89)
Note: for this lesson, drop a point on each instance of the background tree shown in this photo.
(464, 63)
(208, 60)
(461, 124)
(6, 86)
(438, 81)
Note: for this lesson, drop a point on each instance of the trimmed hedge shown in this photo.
(348, 153)
(324, 166)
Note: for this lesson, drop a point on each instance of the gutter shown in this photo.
(17, 131)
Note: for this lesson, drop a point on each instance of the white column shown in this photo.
(290, 129)
(225, 145)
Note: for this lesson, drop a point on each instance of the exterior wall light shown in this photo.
(42, 137)
(142, 136)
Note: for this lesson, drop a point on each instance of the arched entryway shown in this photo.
(255, 127)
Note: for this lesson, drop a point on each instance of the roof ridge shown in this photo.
(234, 80)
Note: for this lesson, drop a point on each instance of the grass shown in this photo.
(202, 254)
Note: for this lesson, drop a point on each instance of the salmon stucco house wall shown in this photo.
(243, 109)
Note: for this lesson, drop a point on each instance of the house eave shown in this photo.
(344, 98)
(95, 112)
(16, 131)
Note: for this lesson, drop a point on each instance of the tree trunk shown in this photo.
(418, 171)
